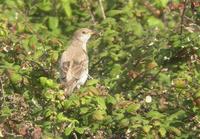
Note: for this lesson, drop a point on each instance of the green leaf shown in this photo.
(54, 56)
(180, 83)
(50, 83)
(45, 5)
(124, 123)
(98, 115)
(93, 90)
(101, 102)
(162, 131)
(155, 114)
(92, 82)
(157, 123)
(53, 22)
(133, 108)
(80, 130)
(68, 131)
(48, 112)
(116, 70)
(110, 99)
(177, 115)
(45, 82)
(197, 94)
(155, 22)
(163, 3)
(112, 13)
(49, 95)
(6, 111)
(11, 3)
(147, 128)
(47, 125)
(86, 100)
(67, 7)
(164, 78)
(118, 116)
(15, 78)
(84, 110)
(32, 41)
(176, 131)
(62, 118)
(138, 29)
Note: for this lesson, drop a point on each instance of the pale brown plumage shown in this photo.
(74, 61)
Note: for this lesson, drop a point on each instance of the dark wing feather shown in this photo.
(71, 73)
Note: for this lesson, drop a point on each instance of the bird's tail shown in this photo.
(69, 87)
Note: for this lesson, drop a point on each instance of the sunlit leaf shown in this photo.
(147, 128)
(80, 130)
(67, 7)
(162, 131)
(133, 107)
(98, 115)
(155, 115)
(68, 131)
(155, 22)
(53, 22)
(92, 82)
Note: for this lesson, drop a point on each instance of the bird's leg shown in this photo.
(90, 77)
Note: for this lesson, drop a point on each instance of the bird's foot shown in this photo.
(90, 77)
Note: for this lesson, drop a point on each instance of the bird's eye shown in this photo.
(83, 32)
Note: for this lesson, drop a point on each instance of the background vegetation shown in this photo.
(145, 64)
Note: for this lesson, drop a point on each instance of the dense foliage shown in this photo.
(145, 66)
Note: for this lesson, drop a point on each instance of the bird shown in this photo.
(74, 61)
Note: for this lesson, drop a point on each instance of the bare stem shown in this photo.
(1, 92)
(90, 11)
(182, 16)
(102, 9)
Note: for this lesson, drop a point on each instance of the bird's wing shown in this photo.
(70, 73)
(72, 70)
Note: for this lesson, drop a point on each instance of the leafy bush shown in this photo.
(145, 65)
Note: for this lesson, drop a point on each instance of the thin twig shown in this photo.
(1, 92)
(182, 16)
(102, 9)
(90, 11)
(156, 12)
(11, 134)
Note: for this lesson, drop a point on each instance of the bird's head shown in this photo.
(83, 34)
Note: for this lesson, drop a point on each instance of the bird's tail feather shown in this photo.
(69, 87)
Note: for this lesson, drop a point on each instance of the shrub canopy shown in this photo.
(144, 64)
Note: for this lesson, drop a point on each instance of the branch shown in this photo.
(156, 12)
(1, 92)
(182, 16)
(102, 9)
(90, 11)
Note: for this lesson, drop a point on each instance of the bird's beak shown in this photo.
(93, 32)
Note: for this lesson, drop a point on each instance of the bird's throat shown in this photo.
(84, 47)
(79, 43)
